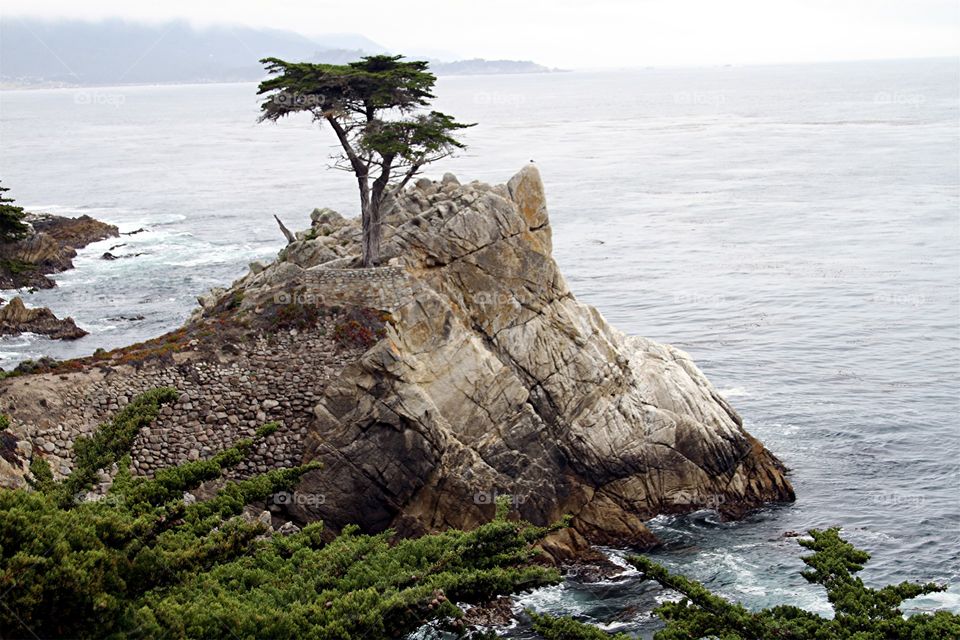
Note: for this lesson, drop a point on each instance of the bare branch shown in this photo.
(358, 166)
(414, 170)
(286, 232)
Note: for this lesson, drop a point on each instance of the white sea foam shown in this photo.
(733, 392)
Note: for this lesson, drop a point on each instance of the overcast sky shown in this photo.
(575, 34)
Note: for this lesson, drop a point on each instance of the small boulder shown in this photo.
(266, 518)
(309, 253)
(209, 300)
(113, 256)
(326, 216)
(288, 529)
(16, 318)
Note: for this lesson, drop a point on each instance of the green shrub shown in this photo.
(12, 226)
(41, 475)
(142, 563)
(15, 266)
(42, 365)
(566, 628)
(860, 612)
(111, 441)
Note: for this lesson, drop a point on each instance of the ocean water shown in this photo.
(795, 228)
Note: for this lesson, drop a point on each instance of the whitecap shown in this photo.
(733, 392)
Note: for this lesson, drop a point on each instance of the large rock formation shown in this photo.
(480, 374)
(494, 379)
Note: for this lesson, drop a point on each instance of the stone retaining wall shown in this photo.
(222, 399)
(384, 288)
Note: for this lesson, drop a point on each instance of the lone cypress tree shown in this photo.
(12, 226)
(372, 106)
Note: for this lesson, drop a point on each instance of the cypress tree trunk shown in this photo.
(370, 223)
(371, 234)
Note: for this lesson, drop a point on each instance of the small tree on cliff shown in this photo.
(12, 226)
(376, 108)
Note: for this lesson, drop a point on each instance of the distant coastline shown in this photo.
(52, 55)
(41, 85)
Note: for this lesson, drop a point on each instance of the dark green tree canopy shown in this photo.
(377, 107)
(365, 87)
(12, 226)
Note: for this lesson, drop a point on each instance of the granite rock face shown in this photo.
(493, 379)
(15, 457)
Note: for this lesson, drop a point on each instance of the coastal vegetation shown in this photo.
(860, 612)
(12, 226)
(143, 561)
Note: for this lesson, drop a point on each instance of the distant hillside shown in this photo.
(35, 52)
(117, 52)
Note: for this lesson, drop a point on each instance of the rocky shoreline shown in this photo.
(50, 248)
(463, 369)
